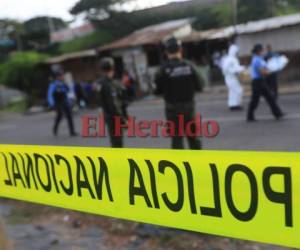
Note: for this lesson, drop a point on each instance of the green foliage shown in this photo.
(12, 30)
(286, 7)
(32, 34)
(206, 17)
(254, 10)
(213, 17)
(89, 6)
(93, 40)
(17, 107)
(10, 27)
(259, 9)
(39, 24)
(21, 71)
(37, 30)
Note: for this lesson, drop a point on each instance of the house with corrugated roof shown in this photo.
(142, 52)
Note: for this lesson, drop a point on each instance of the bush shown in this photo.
(93, 40)
(21, 72)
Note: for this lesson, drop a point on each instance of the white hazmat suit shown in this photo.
(231, 68)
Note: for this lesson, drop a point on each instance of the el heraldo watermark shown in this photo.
(95, 126)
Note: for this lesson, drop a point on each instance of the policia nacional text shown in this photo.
(69, 177)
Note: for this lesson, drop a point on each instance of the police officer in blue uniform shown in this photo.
(58, 100)
(259, 73)
(178, 81)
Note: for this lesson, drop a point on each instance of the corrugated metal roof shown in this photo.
(69, 56)
(212, 34)
(267, 24)
(150, 35)
(250, 27)
(156, 33)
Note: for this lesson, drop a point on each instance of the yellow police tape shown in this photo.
(246, 195)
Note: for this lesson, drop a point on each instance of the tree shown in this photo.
(12, 29)
(254, 10)
(96, 39)
(96, 8)
(260, 9)
(288, 6)
(37, 30)
(22, 71)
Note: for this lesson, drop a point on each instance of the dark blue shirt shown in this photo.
(57, 93)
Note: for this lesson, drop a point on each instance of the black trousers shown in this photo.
(116, 141)
(260, 88)
(61, 111)
(272, 83)
(187, 110)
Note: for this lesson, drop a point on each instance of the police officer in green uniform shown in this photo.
(111, 95)
(178, 81)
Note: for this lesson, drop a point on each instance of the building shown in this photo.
(81, 66)
(69, 34)
(283, 33)
(141, 52)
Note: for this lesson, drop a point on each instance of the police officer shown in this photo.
(272, 78)
(259, 73)
(111, 95)
(58, 99)
(177, 81)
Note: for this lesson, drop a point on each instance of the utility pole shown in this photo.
(272, 7)
(234, 8)
(51, 26)
(19, 41)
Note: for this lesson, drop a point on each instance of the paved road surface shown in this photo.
(235, 134)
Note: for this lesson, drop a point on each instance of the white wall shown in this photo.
(283, 39)
(135, 61)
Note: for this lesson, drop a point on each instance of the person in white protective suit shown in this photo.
(231, 68)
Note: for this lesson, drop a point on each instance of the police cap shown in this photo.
(257, 48)
(57, 73)
(107, 64)
(173, 45)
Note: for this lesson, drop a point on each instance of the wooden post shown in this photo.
(4, 243)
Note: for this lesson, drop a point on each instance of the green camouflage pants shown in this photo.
(187, 110)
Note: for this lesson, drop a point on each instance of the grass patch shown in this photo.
(19, 106)
(93, 40)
